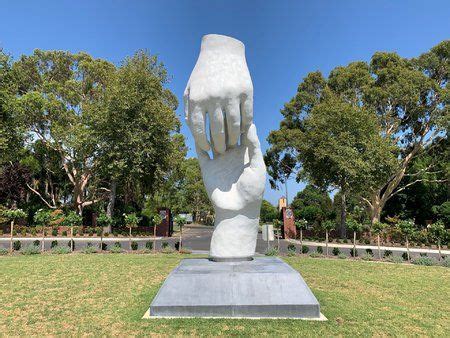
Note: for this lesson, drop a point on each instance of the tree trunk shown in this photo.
(111, 203)
(326, 241)
(154, 237)
(301, 240)
(43, 239)
(407, 248)
(343, 227)
(11, 237)
(130, 239)
(71, 239)
(354, 243)
(439, 248)
(101, 241)
(379, 250)
(181, 234)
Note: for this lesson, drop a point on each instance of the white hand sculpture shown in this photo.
(220, 86)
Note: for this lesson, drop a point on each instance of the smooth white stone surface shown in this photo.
(221, 88)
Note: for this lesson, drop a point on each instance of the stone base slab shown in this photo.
(265, 287)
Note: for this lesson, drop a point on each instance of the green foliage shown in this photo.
(336, 251)
(378, 227)
(342, 256)
(369, 252)
(164, 245)
(3, 251)
(157, 219)
(268, 212)
(149, 245)
(312, 204)
(315, 254)
(328, 225)
(104, 221)
(277, 223)
(116, 249)
(42, 217)
(14, 214)
(272, 252)
(131, 220)
(354, 225)
(90, 249)
(424, 261)
(72, 219)
(407, 227)
(60, 250)
(167, 250)
(437, 231)
(367, 257)
(31, 250)
(179, 221)
(54, 244)
(354, 252)
(446, 262)
(17, 245)
(291, 248)
(305, 249)
(301, 224)
(319, 250)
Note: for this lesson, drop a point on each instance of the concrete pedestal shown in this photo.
(263, 287)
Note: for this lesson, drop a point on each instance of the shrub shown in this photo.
(3, 251)
(345, 241)
(272, 252)
(134, 246)
(424, 261)
(164, 245)
(291, 248)
(104, 246)
(423, 254)
(1, 232)
(118, 244)
(31, 250)
(185, 251)
(342, 256)
(60, 250)
(33, 232)
(367, 257)
(405, 256)
(353, 252)
(115, 249)
(167, 250)
(149, 245)
(315, 254)
(17, 245)
(99, 232)
(319, 250)
(106, 234)
(290, 253)
(14, 232)
(53, 244)
(90, 232)
(75, 231)
(305, 249)
(64, 233)
(336, 251)
(23, 231)
(55, 232)
(36, 242)
(446, 262)
(387, 253)
(369, 252)
(396, 259)
(89, 249)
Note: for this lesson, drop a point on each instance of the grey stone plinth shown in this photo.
(263, 287)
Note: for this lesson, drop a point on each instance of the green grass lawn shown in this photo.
(108, 294)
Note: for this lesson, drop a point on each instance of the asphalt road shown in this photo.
(198, 237)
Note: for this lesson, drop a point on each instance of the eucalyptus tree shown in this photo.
(59, 96)
(359, 129)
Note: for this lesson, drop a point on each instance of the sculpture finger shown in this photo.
(250, 139)
(246, 112)
(233, 120)
(196, 121)
(217, 123)
(203, 156)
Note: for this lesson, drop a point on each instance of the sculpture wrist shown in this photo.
(224, 45)
(234, 236)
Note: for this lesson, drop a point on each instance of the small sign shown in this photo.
(267, 232)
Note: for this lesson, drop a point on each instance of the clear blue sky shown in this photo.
(284, 39)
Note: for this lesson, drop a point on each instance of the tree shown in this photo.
(43, 218)
(301, 225)
(377, 228)
(105, 222)
(359, 129)
(59, 96)
(70, 220)
(407, 228)
(178, 220)
(131, 221)
(138, 130)
(280, 167)
(354, 226)
(438, 233)
(12, 215)
(312, 204)
(328, 225)
(157, 219)
(268, 212)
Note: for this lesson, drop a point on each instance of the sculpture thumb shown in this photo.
(203, 156)
(254, 148)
